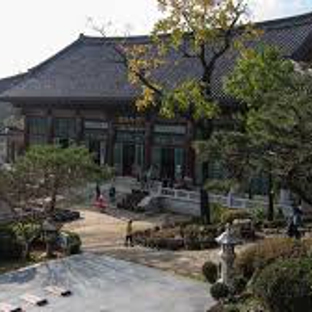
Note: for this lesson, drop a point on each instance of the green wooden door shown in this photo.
(118, 158)
(156, 160)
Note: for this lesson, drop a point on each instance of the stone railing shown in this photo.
(230, 201)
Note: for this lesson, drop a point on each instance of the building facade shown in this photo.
(82, 95)
(128, 142)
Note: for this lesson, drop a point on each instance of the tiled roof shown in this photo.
(9, 82)
(87, 69)
(5, 84)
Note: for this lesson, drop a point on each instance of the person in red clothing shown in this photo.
(101, 203)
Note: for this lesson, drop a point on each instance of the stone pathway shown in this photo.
(104, 284)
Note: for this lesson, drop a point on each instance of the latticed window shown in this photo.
(37, 130)
(37, 125)
(65, 128)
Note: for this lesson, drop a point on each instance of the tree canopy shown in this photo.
(43, 172)
(198, 30)
(273, 126)
(48, 171)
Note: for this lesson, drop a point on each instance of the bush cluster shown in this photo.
(285, 286)
(219, 291)
(210, 271)
(229, 215)
(258, 256)
(179, 236)
(10, 247)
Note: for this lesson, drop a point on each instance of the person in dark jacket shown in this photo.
(204, 206)
(97, 191)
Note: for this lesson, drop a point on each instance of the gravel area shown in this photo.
(104, 284)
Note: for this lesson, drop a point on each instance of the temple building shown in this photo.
(82, 95)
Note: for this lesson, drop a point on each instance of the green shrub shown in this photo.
(10, 246)
(70, 242)
(258, 256)
(285, 286)
(29, 231)
(239, 284)
(216, 212)
(219, 291)
(198, 237)
(229, 215)
(189, 236)
(258, 216)
(210, 271)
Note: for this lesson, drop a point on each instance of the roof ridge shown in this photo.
(11, 81)
(289, 20)
(283, 22)
(39, 66)
(295, 44)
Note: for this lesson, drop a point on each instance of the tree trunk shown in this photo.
(53, 197)
(271, 198)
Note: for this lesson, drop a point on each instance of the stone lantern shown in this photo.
(227, 241)
(50, 232)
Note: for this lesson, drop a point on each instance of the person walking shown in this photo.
(112, 194)
(101, 203)
(129, 234)
(97, 191)
(295, 223)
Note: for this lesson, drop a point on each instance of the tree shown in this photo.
(43, 172)
(197, 31)
(202, 31)
(56, 169)
(18, 194)
(273, 126)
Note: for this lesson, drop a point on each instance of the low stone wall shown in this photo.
(180, 206)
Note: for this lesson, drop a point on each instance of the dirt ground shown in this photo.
(103, 233)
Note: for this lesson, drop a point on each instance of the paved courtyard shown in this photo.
(104, 284)
(104, 234)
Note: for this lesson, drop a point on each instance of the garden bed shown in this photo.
(179, 236)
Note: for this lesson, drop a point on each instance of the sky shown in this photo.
(33, 30)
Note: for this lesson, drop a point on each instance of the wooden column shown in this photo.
(190, 152)
(110, 141)
(49, 116)
(26, 132)
(79, 128)
(148, 144)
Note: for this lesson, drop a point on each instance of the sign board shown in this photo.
(171, 129)
(165, 139)
(130, 128)
(95, 124)
(131, 137)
